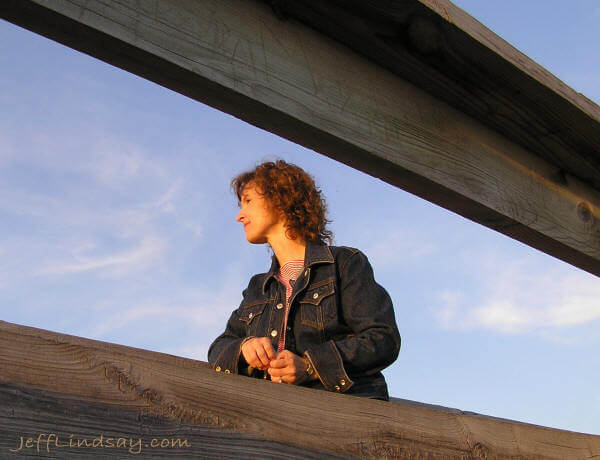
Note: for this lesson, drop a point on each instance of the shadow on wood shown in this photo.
(69, 396)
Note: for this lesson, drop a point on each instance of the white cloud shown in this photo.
(205, 307)
(521, 299)
(166, 202)
(151, 311)
(112, 161)
(100, 204)
(196, 228)
(503, 316)
(91, 152)
(198, 308)
(395, 246)
(144, 255)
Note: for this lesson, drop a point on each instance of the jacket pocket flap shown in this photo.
(315, 294)
(251, 311)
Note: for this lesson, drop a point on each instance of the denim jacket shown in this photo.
(340, 319)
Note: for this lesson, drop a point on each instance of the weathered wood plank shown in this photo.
(70, 427)
(236, 56)
(155, 395)
(440, 48)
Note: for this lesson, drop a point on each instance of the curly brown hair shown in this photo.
(290, 189)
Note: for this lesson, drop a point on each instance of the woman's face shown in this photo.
(261, 223)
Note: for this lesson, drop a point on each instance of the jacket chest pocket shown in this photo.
(317, 305)
(250, 315)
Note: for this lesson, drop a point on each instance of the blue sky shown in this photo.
(117, 224)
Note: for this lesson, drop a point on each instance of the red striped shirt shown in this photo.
(288, 273)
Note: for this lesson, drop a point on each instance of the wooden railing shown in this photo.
(68, 397)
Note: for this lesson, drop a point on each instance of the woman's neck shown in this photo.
(286, 249)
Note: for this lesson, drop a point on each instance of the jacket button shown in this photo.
(274, 333)
(250, 315)
(315, 295)
(288, 328)
(279, 306)
(343, 382)
(227, 371)
(218, 368)
(337, 388)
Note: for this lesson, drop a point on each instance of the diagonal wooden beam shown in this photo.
(444, 51)
(63, 385)
(293, 81)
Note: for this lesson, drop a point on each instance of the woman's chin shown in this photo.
(254, 240)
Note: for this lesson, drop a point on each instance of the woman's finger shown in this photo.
(278, 363)
(262, 357)
(268, 347)
(255, 360)
(283, 354)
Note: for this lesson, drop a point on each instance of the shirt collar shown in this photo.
(313, 255)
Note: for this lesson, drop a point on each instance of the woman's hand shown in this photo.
(258, 352)
(288, 367)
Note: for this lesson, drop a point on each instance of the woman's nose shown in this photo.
(240, 216)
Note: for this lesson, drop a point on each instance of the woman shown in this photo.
(317, 318)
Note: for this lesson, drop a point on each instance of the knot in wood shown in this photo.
(480, 451)
(584, 212)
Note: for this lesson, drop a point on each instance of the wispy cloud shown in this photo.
(144, 255)
(113, 163)
(199, 313)
(521, 299)
(205, 309)
(166, 202)
(395, 246)
(102, 157)
(194, 227)
(91, 202)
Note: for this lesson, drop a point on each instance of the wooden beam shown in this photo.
(284, 77)
(441, 49)
(58, 384)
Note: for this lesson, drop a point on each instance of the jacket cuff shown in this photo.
(327, 362)
(229, 358)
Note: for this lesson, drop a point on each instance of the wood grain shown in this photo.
(286, 78)
(446, 52)
(54, 383)
(79, 428)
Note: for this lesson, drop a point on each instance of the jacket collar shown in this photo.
(314, 254)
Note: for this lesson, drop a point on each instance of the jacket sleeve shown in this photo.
(374, 342)
(225, 352)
